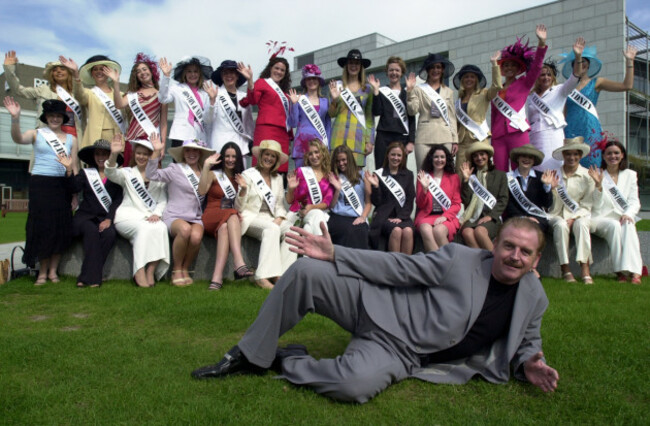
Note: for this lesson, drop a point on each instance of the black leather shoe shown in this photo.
(234, 362)
(287, 351)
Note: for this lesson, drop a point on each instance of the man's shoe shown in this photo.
(233, 362)
(287, 351)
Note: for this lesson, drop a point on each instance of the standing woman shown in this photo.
(437, 199)
(545, 108)
(49, 219)
(581, 114)
(221, 219)
(473, 103)
(614, 214)
(350, 206)
(393, 200)
(309, 192)
(183, 212)
(509, 125)
(138, 219)
(484, 192)
(191, 102)
(434, 101)
(263, 214)
(309, 114)
(351, 108)
(395, 124)
(270, 94)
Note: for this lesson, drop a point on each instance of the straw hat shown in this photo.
(177, 151)
(84, 71)
(529, 150)
(476, 147)
(573, 144)
(272, 146)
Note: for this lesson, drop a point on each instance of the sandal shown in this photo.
(264, 283)
(568, 277)
(636, 280)
(54, 279)
(621, 278)
(40, 281)
(215, 285)
(179, 282)
(80, 285)
(243, 272)
(587, 279)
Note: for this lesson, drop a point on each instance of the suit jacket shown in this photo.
(604, 206)
(221, 132)
(386, 206)
(388, 119)
(249, 205)
(536, 194)
(432, 130)
(90, 208)
(430, 301)
(580, 187)
(450, 184)
(479, 104)
(497, 183)
(170, 91)
(98, 118)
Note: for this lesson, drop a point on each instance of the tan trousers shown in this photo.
(275, 256)
(580, 234)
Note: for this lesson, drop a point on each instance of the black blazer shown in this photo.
(387, 207)
(536, 194)
(388, 119)
(90, 207)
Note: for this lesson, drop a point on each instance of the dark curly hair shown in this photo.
(239, 161)
(427, 164)
(285, 83)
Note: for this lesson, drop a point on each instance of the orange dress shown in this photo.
(219, 208)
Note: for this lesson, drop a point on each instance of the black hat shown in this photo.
(87, 154)
(201, 62)
(227, 65)
(466, 69)
(353, 54)
(54, 106)
(436, 58)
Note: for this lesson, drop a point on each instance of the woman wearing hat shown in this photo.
(230, 122)
(138, 219)
(484, 192)
(571, 211)
(434, 101)
(309, 114)
(270, 94)
(263, 214)
(221, 218)
(351, 107)
(509, 125)
(49, 218)
(183, 212)
(616, 204)
(191, 102)
(389, 103)
(95, 219)
(145, 113)
(103, 118)
(437, 199)
(473, 103)
(581, 115)
(545, 108)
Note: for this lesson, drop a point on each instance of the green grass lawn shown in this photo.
(119, 354)
(12, 227)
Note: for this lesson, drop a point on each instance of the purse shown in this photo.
(17, 273)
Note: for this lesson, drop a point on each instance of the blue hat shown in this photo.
(227, 65)
(467, 69)
(589, 53)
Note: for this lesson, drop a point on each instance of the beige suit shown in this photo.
(99, 122)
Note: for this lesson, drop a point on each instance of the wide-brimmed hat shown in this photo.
(436, 58)
(144, 142)
(50, 66)
(54, 106)
(227, 65)
(467, 69)
(476, 147)
(573, 144)
(84, 72)
(87, 154)
(311, 71)
(589, 53)
(177, 152)
(203, 63)
(519, 53)
(529, 150)
(273, 146)
(353, 54)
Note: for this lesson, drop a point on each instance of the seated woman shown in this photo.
(614, 214)
(221, 219)
(571, 211)
(484, 193)
(393, 201)
(437, 199)
(309, 192)
(138, 217)
(350, 206)
(263, 214)
(183, 212)
(95, 219)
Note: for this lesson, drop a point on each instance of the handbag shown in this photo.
(17, 273)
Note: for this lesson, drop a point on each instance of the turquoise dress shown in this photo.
(582, 123)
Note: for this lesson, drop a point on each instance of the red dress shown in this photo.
(218, 210)
(450, 184)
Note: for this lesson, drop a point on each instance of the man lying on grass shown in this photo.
(443, 316)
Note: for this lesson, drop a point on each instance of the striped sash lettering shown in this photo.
(518, 194)
(583, 102)
(398, 106)
(194, 181)
(135, 181)
(515, 119)
(483, 194)
(69, 101)
(312, 184)
(480, 131)
(393, 186)
(98, 187)
(264, 190)
(139, 114)
(436, 100)
(314, 118)
(111, 108)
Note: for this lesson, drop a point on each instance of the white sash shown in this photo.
(69, 101)
(195, 106)
(439, 195)
(139, 114)
(315, 193)
(620, 202)
(314, 118)
(262, 187)
(566, 199)
(480, 132)
(111, 108)
(194, 181)
(394, 187)
(354, 106)
(229, 109)
(554, 117)
(135, 181)
(283, 99)
(98, 188)
(523, 201)
(436, 100)
(516, 119)
(483, 194)
(50, 137)
(225, 184)
(583, 102)
(398, 106)
(351, 195)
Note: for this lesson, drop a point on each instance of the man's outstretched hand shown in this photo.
(315, 246)
(540, 374)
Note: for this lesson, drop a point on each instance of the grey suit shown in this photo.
(397, 307)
